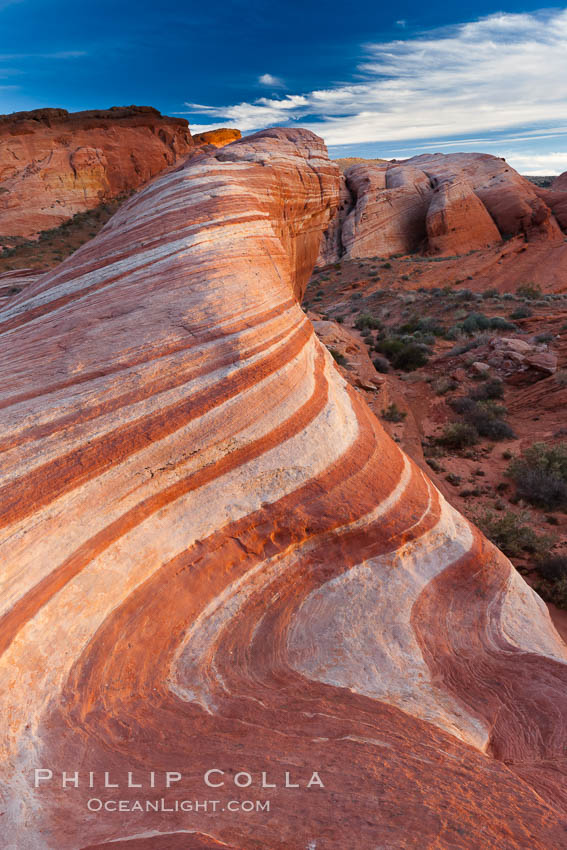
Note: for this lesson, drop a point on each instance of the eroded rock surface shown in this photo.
(214, 556)
(448, 204)
(219, 138)
(54, 164)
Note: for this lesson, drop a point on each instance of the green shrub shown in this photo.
(561, 377)
(389, 346)
(423, 325)
(555, 592)
(339, 358)
(553, 567)
(453, 479)
(529, 290)
(392, 413)
(490, 389)
(546, 336)
(479, 322)
(366, 322)
(458, 435)
(510, 532)
(521, 312)
(540, 475)
(381, 364)
(444, 385)
(499, 323)
(411, 356)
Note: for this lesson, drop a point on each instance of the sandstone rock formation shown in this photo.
(54, 164)
(219, 138)
(214, 557)
(560, 183)
(440, 204)
(457, 217)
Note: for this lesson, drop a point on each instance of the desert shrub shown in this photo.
(493, 428)
(521, 312)
(553, 567)
(423, 325)
(561, 377)
(392, 413)
(475, 322)
(339, 319)
(381, 364)
(453, 479)
(386, 265)
(540, 475)
(464, 295)
(546, 336)
(529, 290)
(490, 389)
(555, 592)
(510, 532)
(553, 584)
(458, 435)
(461, 404)
(490, 293)
(499, 323)
(338, 357)
(411, 356)
(444, 385)
(389, 346)
(366, 322)
(404, 354)
(486, 417)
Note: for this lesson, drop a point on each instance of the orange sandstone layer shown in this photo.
(54, 164)
(215, 558)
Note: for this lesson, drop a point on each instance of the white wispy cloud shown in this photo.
(527, 162)
(60, 54)
(499, 73)
(271, 81)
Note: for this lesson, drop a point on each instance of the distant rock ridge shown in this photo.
(440, 204)
(54, 163)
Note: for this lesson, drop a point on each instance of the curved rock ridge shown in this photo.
(440, 204)
(215, 558)
(54, 164)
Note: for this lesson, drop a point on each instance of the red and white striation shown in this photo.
(214, 557)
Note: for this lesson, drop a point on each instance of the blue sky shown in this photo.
(373, 80)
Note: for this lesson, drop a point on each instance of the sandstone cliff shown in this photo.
(54, 164)
(219, 138)
(440, 204)
(214, 556)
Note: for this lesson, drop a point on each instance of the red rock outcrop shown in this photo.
(560, 183)
(219, 138)
(512, 201)
(215, 558)
(54, 164)
(389, 210)
(457, 217)
(441, 204)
